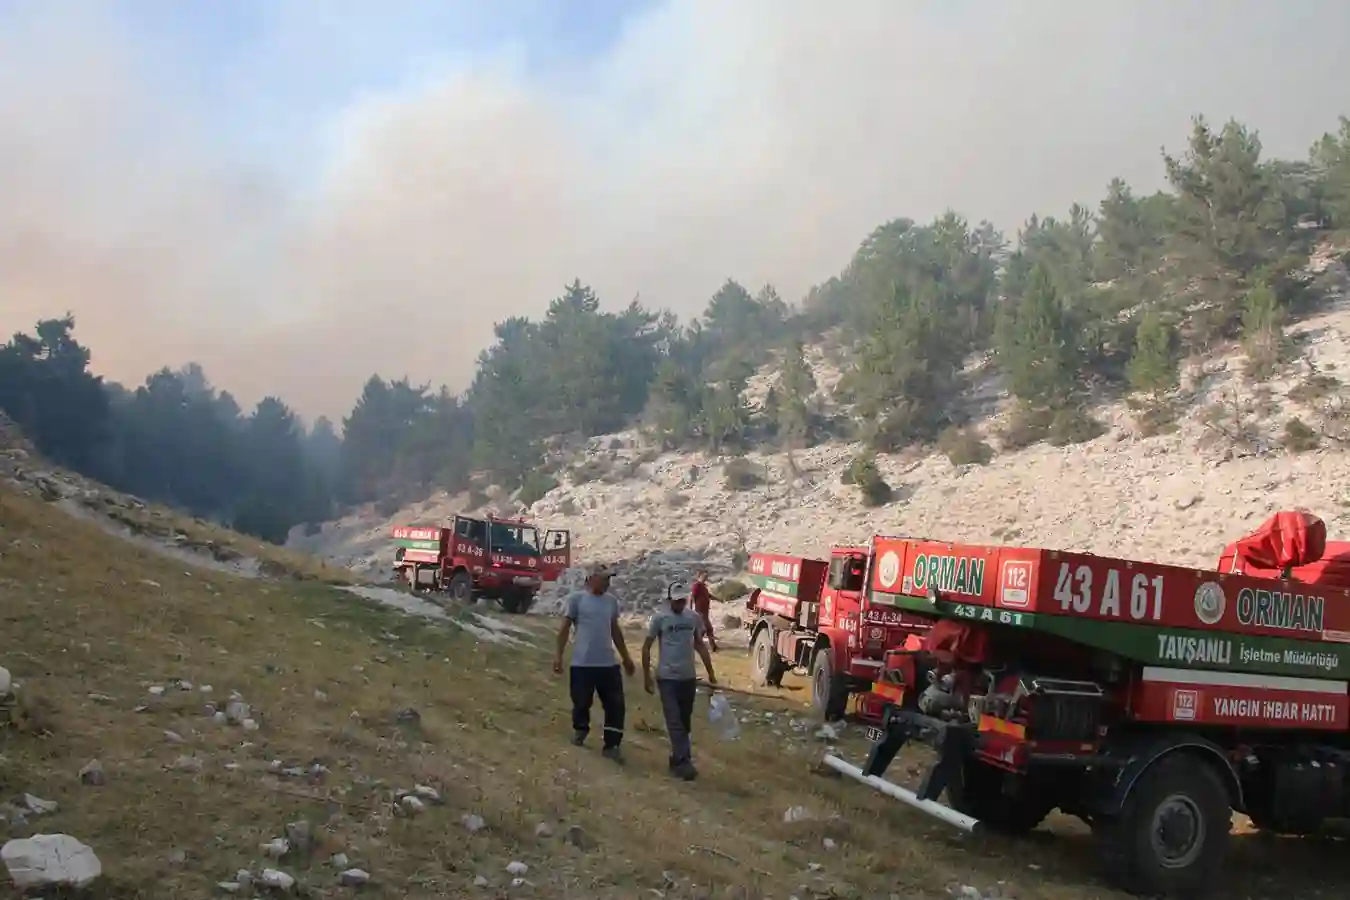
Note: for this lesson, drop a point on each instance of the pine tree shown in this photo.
(1153, 365)
(1037, 349)
(1263, 331)
(792, 410)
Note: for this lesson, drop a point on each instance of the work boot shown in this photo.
(685, 771)
(613, 754)
(578, 738)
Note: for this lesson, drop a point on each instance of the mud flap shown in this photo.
(893, 736)
(953, 743)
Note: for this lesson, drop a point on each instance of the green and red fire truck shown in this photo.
(1149, 700)
(507, 560)
(813, 617)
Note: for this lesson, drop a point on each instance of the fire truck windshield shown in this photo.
(514, 539)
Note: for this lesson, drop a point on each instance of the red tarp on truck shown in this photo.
(1293, 540)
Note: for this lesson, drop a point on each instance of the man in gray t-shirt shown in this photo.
(679, 631)
(594, 615)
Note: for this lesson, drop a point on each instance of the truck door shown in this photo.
(556, 553)
(470, 543)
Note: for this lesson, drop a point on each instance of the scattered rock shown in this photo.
(354, 878)
(186, 764)
(275, 848)
(543, 830)
(276, 879)
(411, 805)
(39, 807)
(577, 837)
(339, 861)
(236, 711)
(91, 773)
(473, 823)
(829, 732)
(50, 861)
(300, 834)
(428, 793)
(515, 867)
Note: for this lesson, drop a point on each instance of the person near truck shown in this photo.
(594, 615)
(679, 631)
(703, 605)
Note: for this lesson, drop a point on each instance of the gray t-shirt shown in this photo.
(593, 617)
(676, 634)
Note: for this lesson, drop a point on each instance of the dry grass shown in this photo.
(84, 614)
(203, 537)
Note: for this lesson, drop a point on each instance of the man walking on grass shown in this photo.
(703, 605)
(594, 615)
(680, 633)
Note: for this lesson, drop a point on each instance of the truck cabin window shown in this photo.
(846, 573)
(514, 539)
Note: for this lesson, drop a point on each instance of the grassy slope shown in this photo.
(85, 613)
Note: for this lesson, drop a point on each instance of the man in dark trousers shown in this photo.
(703, 605)
(594, 615)
(680, 633)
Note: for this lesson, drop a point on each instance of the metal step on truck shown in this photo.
(813, 617)
(1148, 700)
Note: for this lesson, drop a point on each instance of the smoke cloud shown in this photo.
(760, 140)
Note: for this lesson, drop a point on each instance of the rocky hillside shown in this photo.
(1235, 457)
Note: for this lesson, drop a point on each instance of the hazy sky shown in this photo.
(298, 193)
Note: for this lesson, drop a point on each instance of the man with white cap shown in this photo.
(594, 614)
(680, 633)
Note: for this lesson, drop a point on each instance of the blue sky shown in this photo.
(272, 72)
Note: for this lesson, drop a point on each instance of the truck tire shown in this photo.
(461, 587)
(766, 669)
(977, 790)
(517, 601)
(829, 690)
(1172, 832)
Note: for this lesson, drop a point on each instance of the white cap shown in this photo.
(678, 591)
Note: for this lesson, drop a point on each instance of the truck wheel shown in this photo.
(461, 587)
(829, 692)
(766, 669)
(1171, 835)
(978, 790)
(517, 601)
